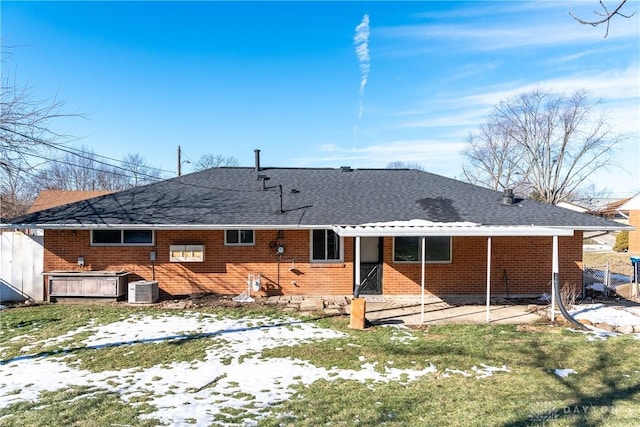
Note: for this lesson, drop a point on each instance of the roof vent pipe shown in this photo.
(507, 196)
(257, 152)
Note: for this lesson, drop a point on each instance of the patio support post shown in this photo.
(555, 274)
(358, 305)
(488, 277)
(422, 276)
(356, 286)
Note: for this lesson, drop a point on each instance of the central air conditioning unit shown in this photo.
(143, 292)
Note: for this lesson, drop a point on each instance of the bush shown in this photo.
(622, 242)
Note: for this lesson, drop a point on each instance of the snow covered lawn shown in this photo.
(233, 375)
(204, 368)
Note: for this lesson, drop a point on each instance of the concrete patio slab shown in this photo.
(436, 311)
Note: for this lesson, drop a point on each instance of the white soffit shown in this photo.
(427, 228)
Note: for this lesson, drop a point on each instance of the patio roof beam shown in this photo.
(475, 230)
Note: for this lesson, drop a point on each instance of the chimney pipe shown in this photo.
(507, 196)
(257, 152)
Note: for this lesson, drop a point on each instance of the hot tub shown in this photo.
(103, 284)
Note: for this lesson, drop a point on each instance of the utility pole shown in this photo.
(180, 161)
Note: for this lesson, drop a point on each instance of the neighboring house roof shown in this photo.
(572, 206)
(614, 207)
(595, 205)
(304, 197)
(51, 198)
(633, 204)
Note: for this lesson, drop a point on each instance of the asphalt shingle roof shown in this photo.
(310, 197)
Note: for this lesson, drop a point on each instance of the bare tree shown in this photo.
(137, 171)
(492, 159)
(84, 170)
(590, 191)
(15, 188)
(27, 137)
(207, 161)
(405, 165)
(604, 17)
(545, 144)
(26, 122)
(34, 155)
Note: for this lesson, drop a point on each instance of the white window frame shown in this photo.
(419, 260)
(253, 237)
(325, 260)
(122, 243)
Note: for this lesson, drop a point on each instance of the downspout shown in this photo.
(556, 289)
(563, 310)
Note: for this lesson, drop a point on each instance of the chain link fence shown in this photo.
(598, 280)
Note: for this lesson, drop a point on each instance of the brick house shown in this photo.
(632, 206)
(319, 231)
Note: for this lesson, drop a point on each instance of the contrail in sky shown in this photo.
(361, 42)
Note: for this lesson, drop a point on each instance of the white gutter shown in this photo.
(622, 227)
(161, 226)
(441, 229)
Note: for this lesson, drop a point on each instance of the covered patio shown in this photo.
(424, 229)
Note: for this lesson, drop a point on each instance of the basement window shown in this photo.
(409, 249)
(186, 253)
(122, 237)
(239, 238)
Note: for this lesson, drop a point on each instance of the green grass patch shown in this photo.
(605, 390)
(141, 355)
(76, 406)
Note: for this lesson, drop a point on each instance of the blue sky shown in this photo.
(287, 78)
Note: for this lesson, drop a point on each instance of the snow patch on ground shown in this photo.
(487, 371)
(448, 372)
(233, 374)
(564, 373)
(594, 334)
(401, 334)
(483, 372)
(613, 315)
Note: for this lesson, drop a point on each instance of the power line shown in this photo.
(86, 167)
(128, 175)
(85, 155)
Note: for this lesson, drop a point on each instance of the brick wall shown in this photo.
(634, 236)
(225, 269)
(526, 261)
